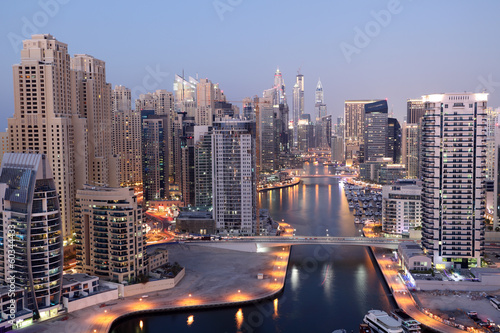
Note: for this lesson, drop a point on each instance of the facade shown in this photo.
(31, 225)
(319, 106)
(305, 133)
(266, 136)
(185, 95)
(234, 177)
(298, 103)
(337, 149)
(155, 166)
(93, 102)
(324, 132)
(354, 117)
(4, 144)
(375, 130)
(453, 174)
(401, 207)
(415, 110)
(126, 129)
(411, 149)
(196, 222)
(394, 140)
(203, 166)
(45, 120)
(412, 258)
(205, 103)
(109, 238)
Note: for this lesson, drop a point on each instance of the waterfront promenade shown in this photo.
(402, 295)
(214, 277)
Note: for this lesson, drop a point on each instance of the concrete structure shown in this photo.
(203, 166)
(319, 101)
(375, 131)
(127, 146)
(205, 103)
(196, 222)
(79, 285)
(158, 258)
(354, 117)
(305, 136)
(401, 207)
(415, 110)
(32, 229)
(411, 149)
(266, 136)
(453, 173)
(390, 173)
(93, 102)
(234, 178)
(13, 300)
(45, 120)
(4, 144)
(323, 133)
(337, 149)
(109, 239)
(413, 258)
(155, 157)
(298, 103)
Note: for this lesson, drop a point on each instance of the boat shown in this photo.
(379, 321)
(356, 220)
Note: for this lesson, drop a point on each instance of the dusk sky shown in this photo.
(360, 49)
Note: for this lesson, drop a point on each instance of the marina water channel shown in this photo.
(326, 288)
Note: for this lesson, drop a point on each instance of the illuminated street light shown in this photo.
(189, 295)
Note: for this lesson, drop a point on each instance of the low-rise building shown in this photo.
(158, 258)
(79, 285)
(401, 207)
(195, 222)
(14, 314)
(413, 258)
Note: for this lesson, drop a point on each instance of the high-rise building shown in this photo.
(298, 103)
(376, 129)
(267, 158)
(93, 102)
(45, 120)
(205, 101)
(279, 88)
(185, 95)
(394, 140)
(411, 149)
(323, 133)
(109, 239)
(354, 117)
(203, 166)
(337, 149)
(319, 105)
(127, 138)
(31, 225)
(493, 118)
(233, 175)
(4, 144)
(305, 133)
(453, 174)
(401, 207)
(415, 110)
(155, 167)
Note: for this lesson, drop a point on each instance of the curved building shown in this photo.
(31, 235)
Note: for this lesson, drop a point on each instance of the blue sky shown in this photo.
(395, 49)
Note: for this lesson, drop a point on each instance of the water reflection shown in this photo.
(239, 319)
(190, 320)
(275, 303)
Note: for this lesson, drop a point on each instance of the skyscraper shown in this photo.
(267, 153)
(109, 238)
(375, 136)
(394, 140)
(279, 86)
(234, 183)
(155, 167)
(45, 120)
(298, 104)
(205, 101)
(93, 102)
(453, 196)
(127, 138)
(411, 149)
(354, 117)
(319, 105)
(203, 166)
(32, 227)
(185, 95)
(415, 109)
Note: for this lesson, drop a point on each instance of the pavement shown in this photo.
(214, 277)
(403, 297)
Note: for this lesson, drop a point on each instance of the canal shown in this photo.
(327, 287)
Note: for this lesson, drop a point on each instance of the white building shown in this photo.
(453, 174)
(233, 176)
(401, 207)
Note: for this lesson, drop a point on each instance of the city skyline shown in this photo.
(348, 65)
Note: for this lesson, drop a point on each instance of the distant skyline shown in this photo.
(360, 50)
